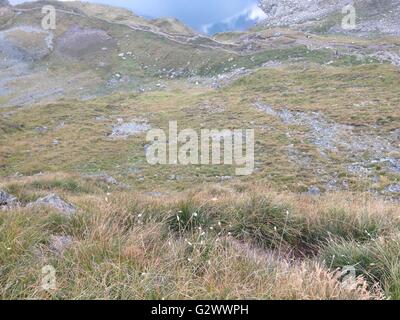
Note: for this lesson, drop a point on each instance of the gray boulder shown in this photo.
(7, 200)
(394, 188)
(56, 202)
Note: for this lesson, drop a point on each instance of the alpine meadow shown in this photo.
(141, 158)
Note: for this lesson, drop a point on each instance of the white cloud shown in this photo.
(252, 14)
(257, 14)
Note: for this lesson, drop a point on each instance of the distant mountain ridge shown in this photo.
(97, 49)
(125, 16)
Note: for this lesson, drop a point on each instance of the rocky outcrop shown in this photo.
(126, 129)
(7, 200)
(54, 201)
(372, 15)
(394, 188)
(292, 12)
(25, 43)
(360, 151)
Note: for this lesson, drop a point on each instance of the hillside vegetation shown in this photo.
(230, 242)
(318, 218)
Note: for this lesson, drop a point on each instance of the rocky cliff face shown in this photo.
(4, 3)
(290, 12)
(373, 16)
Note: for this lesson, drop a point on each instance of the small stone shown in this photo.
(41, 129)
(100, 118)
(134, 170)
(394, 188)
(375, 179)
(314, 191)
(332, 185)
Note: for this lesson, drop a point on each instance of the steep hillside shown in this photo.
(97, 50)
(123, 16)
(93, 52)
(100, 56)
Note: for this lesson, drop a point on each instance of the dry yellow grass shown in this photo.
(231, 242)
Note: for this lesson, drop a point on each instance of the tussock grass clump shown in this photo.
(377, 261)
(263, 222)
(66, 185)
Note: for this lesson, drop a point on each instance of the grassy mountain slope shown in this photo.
(107, 55)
